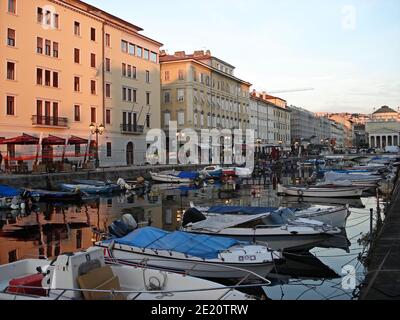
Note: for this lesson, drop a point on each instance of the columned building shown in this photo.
(67, 65)
(383, 129)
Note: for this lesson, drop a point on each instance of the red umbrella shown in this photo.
(53, 141)
(76, 141)
(25, 139)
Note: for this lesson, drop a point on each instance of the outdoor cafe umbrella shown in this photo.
(25, 139)
(55, 141)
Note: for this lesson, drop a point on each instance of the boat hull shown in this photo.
(335, 217)
(322, 192)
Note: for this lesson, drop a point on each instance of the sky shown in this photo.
(348, 51)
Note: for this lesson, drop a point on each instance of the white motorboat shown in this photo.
(211, 172)
(173, 176)
(335, 216)
(239, 172)
(192, 254)
(84, 275)
(322, 191)
(280, 230)
(354, 178)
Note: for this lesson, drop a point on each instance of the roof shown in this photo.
(385, 109)
(101, 14)
(266, 98)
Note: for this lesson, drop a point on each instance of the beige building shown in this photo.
(383, 129)
(270, 119)
(200, 91)
(67, 64)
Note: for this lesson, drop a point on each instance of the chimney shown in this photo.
(208, 53)
(198, 53)
(180, 54)
(163, 53)
(264, 95)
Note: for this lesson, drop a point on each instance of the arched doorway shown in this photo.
(130, 161)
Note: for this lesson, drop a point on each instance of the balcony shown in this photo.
(132, 129)
(53, 122)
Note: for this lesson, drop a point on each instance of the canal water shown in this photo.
(332, 271)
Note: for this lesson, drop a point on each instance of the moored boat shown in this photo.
(328, 191)
(173, 176)
(193, 254)
(85, 276)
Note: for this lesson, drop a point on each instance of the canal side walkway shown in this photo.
(383, 280)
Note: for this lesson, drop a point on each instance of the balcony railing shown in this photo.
(49, 121)
(132, 129)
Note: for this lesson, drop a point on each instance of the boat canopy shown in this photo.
(220, 222)
(6, 191)
(239, 210)
(201, 246)
(188, 175)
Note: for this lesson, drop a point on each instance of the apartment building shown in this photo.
(200, 91)
(270, 119)
(67, 65)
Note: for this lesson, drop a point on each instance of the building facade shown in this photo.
(303, 126)
(67, 65)
(270, 120)
(383, 128)
(200, 91)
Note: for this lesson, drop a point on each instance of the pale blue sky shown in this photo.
(348, 50)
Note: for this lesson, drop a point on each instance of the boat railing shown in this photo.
(63, 291)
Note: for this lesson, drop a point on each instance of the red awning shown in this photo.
(25, 139)
(53, 141)
(76, 140)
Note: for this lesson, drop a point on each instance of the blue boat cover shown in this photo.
(201, 246)
(188, 175)
(6, 191)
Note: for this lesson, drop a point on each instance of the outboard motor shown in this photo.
(121, 228)
(192, 215)
(130, 222)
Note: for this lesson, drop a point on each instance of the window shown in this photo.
(39, 76)
(77, 58)
(77, 113)
(139, 51)
(77, 28)
(108, 65)
(93, 86)
(108, 116)
(108, 90)
(39, 15)
(39, 47)
(56, 21)
(167, 118)
(11, 37)
(93, 34)
(108, 40)
(47, 76)
(181, 95)
(133, 72)
(55, 49)
(147, 76)
(167, 97)
(148, 98)
(124, 70)
(12, 6)
(153, 57)
(10, 70)
(147, 121)
(77, 84)
(93, 60)
(131, 49)
(93, 115)
(47, 48)
(166, 76)
(181, 118)
(129, 94)
(108, 149)
(124, 46)
(48, 17)
(146, 54)
(10, 106)
(181, 75)
(55, 79)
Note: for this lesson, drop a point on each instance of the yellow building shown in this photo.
(200, 91)
(67, 64)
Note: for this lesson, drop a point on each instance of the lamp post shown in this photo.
(95, 129)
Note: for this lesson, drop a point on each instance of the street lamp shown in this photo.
(95, 129)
